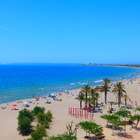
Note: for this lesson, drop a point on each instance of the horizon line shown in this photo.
(20, 63)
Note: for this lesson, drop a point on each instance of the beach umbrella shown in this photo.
(47, 99)
(14, 105)
(26, 103)
(52, 94)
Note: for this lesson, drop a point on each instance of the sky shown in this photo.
(70, 31)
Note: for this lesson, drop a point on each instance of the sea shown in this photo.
(22, 81)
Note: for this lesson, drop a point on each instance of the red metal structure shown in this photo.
(85, 113)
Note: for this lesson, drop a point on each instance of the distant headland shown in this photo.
(114, 65)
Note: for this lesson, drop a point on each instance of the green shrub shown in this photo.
(49, 116)
(64, 136)
(25, 113)
(43, 120)
(41, 117)
(46, 124)
(123, 113)
(39, 133)
(38, 109)
(92, 128)
(24, 126)
(44, 116)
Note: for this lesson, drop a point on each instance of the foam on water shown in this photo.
(72, 83)
(98, 81)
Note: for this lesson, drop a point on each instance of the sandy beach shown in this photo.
(8, 117)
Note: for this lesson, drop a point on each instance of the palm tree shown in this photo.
(90, 101)
(111, 103)
(97, 95)
(80, 97)
(86, 90)
(93, 96)
(134, 118)
(94, 101)
(125, 99)
(92, 92)
(113, 119)
(106, 87)
(120, 89)
(92, 128)
(124, 114)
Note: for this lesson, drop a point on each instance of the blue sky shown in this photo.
(70, 31)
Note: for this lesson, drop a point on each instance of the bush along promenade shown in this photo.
(26, 118)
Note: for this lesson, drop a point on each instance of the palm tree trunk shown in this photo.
(86, 99)
(105, 97)
(96, 102)
(89, 105)
(137, 122)
(119, 99)
(125, 102)
(81, 104)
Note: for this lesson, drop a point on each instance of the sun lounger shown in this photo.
(27, 105)
(100, 137)
(48, 102)
(56, 99)
(3, 107)
(14, 109)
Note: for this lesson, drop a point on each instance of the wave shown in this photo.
(98, 81)
(72, 83)
(4, 97)
(79, 83)
(41, 89)
(82, 83)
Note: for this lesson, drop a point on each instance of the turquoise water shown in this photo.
(22, 81)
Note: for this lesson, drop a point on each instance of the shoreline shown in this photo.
(69, 90)
(26, 91)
